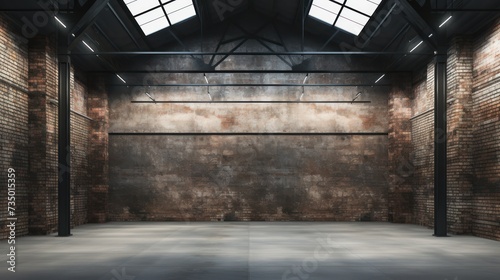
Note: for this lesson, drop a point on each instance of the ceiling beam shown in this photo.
(213, 71)
(420, 26)
(85, 22)
(175, 53)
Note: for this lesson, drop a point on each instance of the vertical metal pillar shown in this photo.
(440, 137)
(64, 210)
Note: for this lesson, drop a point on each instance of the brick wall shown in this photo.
(81, 180)
(43, 81)
(248, 178)
(28, 84)
(400, 152)
(460, 138)
(486, 132)
(473, 133)
(199, 164)
(423, 147)
(43, 136)
(98, 110)
(13, 124)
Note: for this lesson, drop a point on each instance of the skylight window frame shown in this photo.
(343, 5)
(161, 5)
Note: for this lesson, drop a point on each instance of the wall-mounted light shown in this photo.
(444, 22)
(303, 87)
(356, 97)
(60, 22)
(149, 95)
(305, 79)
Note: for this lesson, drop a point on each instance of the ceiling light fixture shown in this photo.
(418, 45)
(381, 77)
(60, 22)
(431, 35)
(87, 45)
(444, 22)
(120, 77)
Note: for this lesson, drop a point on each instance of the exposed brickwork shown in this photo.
(486, 131)
(473, 133)
(399, 152)
(43, 136)
(460, 137)
(250, 178)
(423, 147)
(13, 124)
(81, 180)
(98, 110)
(28, 125)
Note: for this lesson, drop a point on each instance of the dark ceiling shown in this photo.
(395, 29)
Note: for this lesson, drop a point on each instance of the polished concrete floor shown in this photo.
(218, 251)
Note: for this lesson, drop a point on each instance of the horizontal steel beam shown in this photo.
(465, 10)
(210, 71)
(252, 85)
(251, 102)
(248, 133)
(127, 53)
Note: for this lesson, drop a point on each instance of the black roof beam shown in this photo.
(418, 23)
(85, 22)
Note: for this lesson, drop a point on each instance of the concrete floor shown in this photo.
(218, 251)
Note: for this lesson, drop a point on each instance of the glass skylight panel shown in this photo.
(365, 6)
(152, 21)
(140, 6)
(325, 10)
(349, 15)
(154, 15)
(179, 10)
(349, 26)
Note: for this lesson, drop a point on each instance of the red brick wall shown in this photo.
(423, 147)
(98, 110)
(43, 136)
(28, 125)
(81, 163)
(13, 124)
(473, 133)
(400, 152)
(486, 133)
(460, 137)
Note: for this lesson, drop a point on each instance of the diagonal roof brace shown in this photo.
(414, 19)
(85, 22)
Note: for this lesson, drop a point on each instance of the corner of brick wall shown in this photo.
(43, 167)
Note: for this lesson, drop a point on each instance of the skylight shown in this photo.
(155, 15)
(349, 15)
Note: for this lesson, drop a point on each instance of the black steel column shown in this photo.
(440, 128)
(64, 210)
